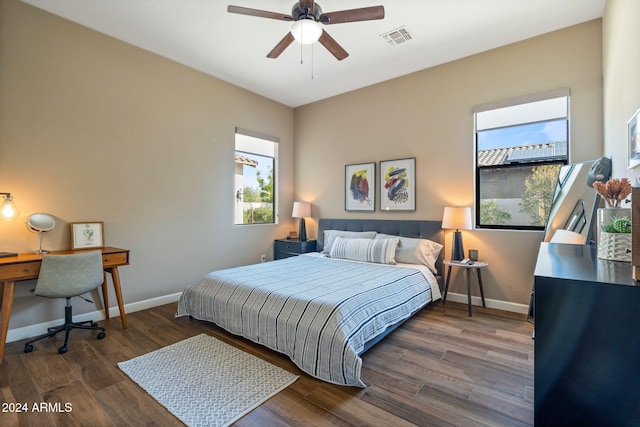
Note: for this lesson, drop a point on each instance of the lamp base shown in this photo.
(302, 231)
(457, 249)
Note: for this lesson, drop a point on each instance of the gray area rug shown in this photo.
(206, 382)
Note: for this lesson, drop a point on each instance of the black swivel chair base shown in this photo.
(69, 324)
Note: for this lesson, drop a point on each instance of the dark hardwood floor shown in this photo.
(440, 368)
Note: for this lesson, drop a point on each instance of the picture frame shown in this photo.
(633, 136)
(87, 235)
(360, 187)
(398, 185)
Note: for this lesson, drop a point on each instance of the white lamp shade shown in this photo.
(301, 210)
(457, 218)
(566, 236)
(306, 31)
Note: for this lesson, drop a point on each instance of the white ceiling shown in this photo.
(202, 35)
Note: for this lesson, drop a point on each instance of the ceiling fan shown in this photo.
(307, 17)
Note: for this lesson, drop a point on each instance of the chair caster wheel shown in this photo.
(28, 348)
(63, 349)
(100, 335)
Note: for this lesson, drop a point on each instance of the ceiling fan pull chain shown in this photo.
(312, 62)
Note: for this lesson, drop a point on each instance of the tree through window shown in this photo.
(255, 187)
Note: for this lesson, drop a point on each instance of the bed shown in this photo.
(323, 310)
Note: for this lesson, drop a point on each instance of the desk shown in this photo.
(477, 265)
(27, 266)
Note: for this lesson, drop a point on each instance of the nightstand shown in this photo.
(477, 266)
(283, 248)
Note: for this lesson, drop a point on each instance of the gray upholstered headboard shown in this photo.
(431, 230)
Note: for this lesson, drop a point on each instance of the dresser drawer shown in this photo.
(295, 246)
(288, 248)
(115, 259)
(26, 270)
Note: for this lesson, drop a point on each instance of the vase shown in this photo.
(613, 246)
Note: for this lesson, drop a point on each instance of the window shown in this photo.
(520, 146)
(255, 183)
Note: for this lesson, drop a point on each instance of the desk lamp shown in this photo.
(301, 210)
(8, 210)
(457, 219)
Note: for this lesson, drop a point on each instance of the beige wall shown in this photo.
(93, 129)
(427, 115)
(621, 64)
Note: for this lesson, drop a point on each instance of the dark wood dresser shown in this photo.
(587, 339)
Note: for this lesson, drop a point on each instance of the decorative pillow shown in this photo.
(381, 251)
(416, 251)
(330, 236)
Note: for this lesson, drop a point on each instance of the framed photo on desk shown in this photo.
(87, 235)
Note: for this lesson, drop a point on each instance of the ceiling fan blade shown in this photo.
(332, 46)
(281, 46)
(353, 15)
(259, 13)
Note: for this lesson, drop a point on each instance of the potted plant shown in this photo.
(615, 240)
(614, 222)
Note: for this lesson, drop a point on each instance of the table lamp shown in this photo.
(301, 210)
(457, 219)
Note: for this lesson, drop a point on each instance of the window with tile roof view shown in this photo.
(519, 151)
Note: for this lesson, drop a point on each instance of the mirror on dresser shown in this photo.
(572, 215)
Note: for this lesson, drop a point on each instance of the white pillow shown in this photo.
(381, 251)
(330, 236)
(416, 251)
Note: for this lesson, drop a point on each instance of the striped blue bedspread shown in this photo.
(318, 311)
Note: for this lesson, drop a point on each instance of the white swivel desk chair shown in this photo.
(66, 276)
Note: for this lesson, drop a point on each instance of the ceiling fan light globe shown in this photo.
(306, 31)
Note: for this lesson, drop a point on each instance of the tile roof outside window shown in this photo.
(246, 161)
(522, 154)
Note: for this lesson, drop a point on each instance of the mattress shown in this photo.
(317, 310)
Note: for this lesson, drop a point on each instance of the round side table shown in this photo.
(477, 266)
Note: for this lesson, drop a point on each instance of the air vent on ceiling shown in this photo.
(397, 36)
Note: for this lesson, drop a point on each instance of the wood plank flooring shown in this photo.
(441, 368)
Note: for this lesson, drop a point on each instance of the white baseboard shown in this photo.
(490, 303)
(29, 331)
(24, 332)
